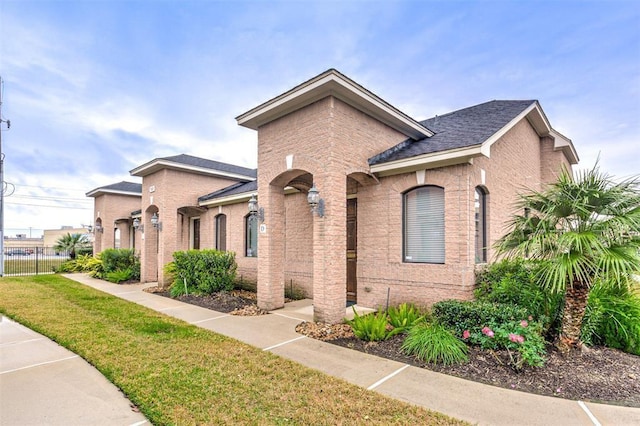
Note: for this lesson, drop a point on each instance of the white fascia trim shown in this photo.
(427, 161)
(335, 84)
(239, 198)
(561, 142)
(162, 164)
(536, 118)
(97, 192)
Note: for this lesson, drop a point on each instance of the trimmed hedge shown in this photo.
(202, 271)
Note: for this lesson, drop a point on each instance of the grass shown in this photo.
(177, 373)
(28, 265)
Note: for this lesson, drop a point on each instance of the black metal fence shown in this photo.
(32, 260)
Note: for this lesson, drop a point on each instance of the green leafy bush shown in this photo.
(612, 318)
(121, 260)
(83, 263)
(371, 327)
(516, 282)
(434, 343)
(461, 315)
(404, 316)
(119, 275)
(203, 271)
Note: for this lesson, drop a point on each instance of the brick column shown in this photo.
(329, 250)
(271, 255)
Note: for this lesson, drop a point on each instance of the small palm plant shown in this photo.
(72, 243)
(588, 231)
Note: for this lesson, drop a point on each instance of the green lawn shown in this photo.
(177, 373)
(28, 265)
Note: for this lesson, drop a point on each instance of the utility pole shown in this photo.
(3, 188)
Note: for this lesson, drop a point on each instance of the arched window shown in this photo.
(221, 232)
(481, 241)
(116, 238)
(251, 235)
(423, 211)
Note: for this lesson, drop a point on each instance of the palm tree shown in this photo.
(587, 230)
(71, 243)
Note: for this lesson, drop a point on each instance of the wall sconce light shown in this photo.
(155, 221)
(137, 225)
(98, 227)
(254, 210)
(315, 202)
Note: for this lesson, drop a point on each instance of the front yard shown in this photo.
(177, 373)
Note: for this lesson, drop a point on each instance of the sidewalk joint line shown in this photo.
(39, 364)
(589, 413)
(126, 292)
(284, 343)
(19, 342)
(384, 379)
(169, 308)
(209, 319)
(138, 423)
(287, 316)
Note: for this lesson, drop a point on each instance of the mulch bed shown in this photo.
(595, 374)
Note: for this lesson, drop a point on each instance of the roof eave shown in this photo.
(100, 191)
(428, 161)
(563, 143)
(160, 164)
(238, 198)
(333, 83)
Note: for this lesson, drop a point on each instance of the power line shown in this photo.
(37, 197)
(53, 207)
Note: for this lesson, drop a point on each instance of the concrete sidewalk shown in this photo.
(43, 383)
(467, 400)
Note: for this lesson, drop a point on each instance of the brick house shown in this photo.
(407, 209)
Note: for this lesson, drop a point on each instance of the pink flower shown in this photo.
(487, 331)
(524, 323)
(466, 334)
(516, 338)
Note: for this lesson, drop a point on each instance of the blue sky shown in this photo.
(96, 88)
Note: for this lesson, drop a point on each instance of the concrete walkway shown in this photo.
(467, 400)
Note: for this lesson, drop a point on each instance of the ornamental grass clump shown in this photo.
(370, 327)
(404, 316)
(434, 343)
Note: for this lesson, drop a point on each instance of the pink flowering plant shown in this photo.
(522, 340)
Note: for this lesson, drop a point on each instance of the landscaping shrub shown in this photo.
(434, 343)
(404, 316)
(121, 260)
(516, 282)
(495, 326)
(119, 275)
(203, 271)
(612, 318)
(461, 315)
(83, 263)
(371, 327)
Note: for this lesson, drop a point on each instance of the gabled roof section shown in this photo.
(121, 188)
(461, 135)
(333, 83)
(191, 164)
(231, 194)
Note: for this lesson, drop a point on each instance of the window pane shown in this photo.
(252, 236)
(424, 225)
(480, 203)
(221, 232)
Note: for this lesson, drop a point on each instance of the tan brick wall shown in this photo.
(173, 189)
(107, 209)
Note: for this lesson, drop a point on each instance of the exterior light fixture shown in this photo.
(98, 228)
(137, 225)
(315, 202)
(155, 221)
(254, 209)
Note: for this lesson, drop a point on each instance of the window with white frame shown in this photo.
(423, 222)
(251, 235)
(221, 232)
(480, 211)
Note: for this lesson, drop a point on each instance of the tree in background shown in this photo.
(72, 243)
(587, 229)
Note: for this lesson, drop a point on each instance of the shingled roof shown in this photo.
(125, 188)
(459, 129)
(195, 164)
(237, 188)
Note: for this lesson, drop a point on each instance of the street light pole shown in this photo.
(3, 187)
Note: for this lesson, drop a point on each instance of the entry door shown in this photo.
(352, 253)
